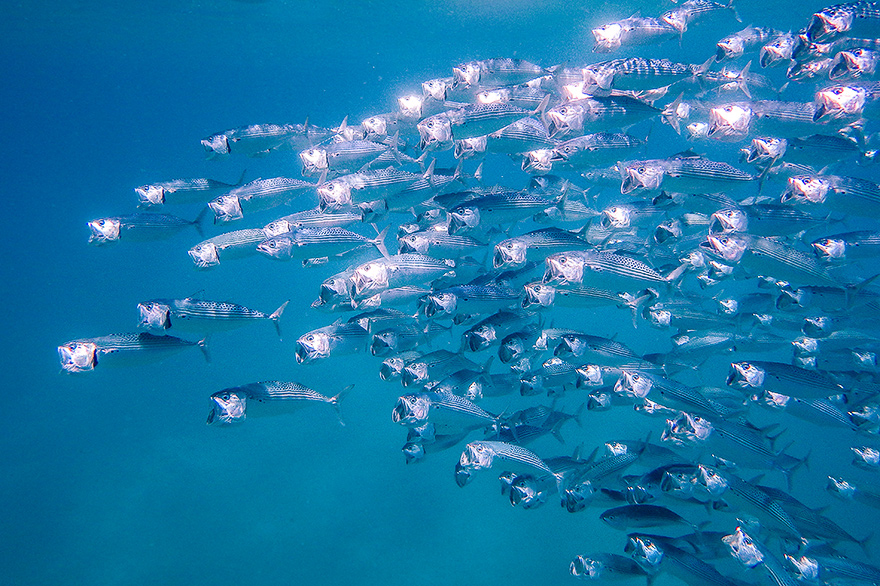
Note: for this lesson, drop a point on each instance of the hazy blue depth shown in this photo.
(112, 477)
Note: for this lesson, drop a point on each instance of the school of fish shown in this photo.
(763, 256)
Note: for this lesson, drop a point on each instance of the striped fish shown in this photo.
(257, 196)
(231, 245)
(143, 227)
(84, 354)
(264, 398)
(202, 315)
(181, 191)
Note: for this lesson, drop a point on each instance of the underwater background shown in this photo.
(112, 477)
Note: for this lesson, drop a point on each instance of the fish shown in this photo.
(318, 242)
(236, 244)
(335, 339)
(84, 354)
(257, 196)
(683, 172)
(259, 140)
(234, 404)
(202, 315)
(181, 191)
(635, 30)
(140, 227)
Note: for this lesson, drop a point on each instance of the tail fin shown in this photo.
(203, 346)
(741, 80)
(670, 113)
(379, 241)
(277, 314)
(337, 399)
(200, 219)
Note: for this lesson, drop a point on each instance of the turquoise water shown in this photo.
(113, 477)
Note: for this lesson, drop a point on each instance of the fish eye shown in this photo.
(837, 91)
(640, 170)
(273, 244)
(225, 396)
(310, 338)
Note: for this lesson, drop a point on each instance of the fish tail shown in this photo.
(741, 80)
(276, 315)
(200, 219)
(203, 346)
(336, 399)
(379, 241)
(670, 113)
(732, 8)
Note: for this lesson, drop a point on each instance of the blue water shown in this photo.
(112, 477)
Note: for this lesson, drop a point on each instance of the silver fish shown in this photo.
(84, 354)
(267, 398)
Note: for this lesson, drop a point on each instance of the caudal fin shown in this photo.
(337, 399)
(277, 314)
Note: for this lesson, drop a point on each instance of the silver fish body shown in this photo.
(84, 354)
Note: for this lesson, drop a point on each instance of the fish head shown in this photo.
(78, 356)
(564, 268)
(772, 400)
(807, 569)
(414, 374)
(729, 48)
(477, 456)
(839, 101)
(590, 375)
(840, 67)
(104, 230)
(766, 148)
(600, 400)
(524, 491)
(370, 276)
(384, 343)
(640, 175)
(608, 37)
(579, 496)
(391, 368)
(538, 161)
(470, 148)
(730, 121)
(227, 407)
(279, 227)
(616, 217)
(805, 346)
(278, 247)
(727, 247)
(439, 303)
(817, 326)
(435, 132)
(462, 218)
(335, 289)
(598, 79)
(614, 518)
(226, 208)
(571, 345)
(697, 130)
(711, 481)
(217, 144)
(436, 89)
(810, 189)
(830, 248)
(511, 348)
(686, 429)
(840, 488)
(410, 107)
(633, 384)
(466, 74)
(494, 96)
(729, 220)
(668, 231)
(565, 119)
(334, 194)
(587, 568)
(538, 293)
(411, 410)
(510, 254)
(479, 337)
(372, 211)
(375, 127)
(413, 452)
(644, 551)
(777, 51)
(743, 548)
(312, 346)
(677, 19)
(828, 23)
(154, 316)
(205, 255)
(745, 375)
(866, 457)
(474, 390)
(150, 195)
(314, 161)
